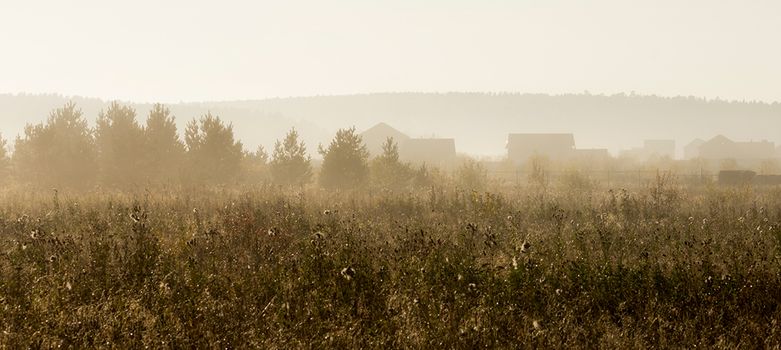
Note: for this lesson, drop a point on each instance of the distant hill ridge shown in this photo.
(479, 122)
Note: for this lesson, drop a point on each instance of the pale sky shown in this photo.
(172, 51)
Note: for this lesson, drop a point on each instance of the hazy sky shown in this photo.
(169, 51)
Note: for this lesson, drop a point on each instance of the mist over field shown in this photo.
(406, 174)
(615, 122)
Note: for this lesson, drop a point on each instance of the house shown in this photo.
(720, 147)
(692, 150)
(376, 136)
(521, 147)
(440, 152)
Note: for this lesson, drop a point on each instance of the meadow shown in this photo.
(661, 265)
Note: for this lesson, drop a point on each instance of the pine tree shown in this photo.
(120, 144)
(164, 150)
(60, 152)
(290, 165)
(345, 161)
(5, 160)
(213, 154)
(386, 169)
(255, 166)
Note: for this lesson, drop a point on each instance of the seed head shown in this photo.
(525, 247)
(348, 273)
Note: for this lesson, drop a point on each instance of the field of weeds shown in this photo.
(658, 266)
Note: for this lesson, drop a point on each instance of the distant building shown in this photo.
(438, 152)
(375, 136)
(521, 147)
(431, 151)
(720, 147)
(692, 150)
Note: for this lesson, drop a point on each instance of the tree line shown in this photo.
(121, 152)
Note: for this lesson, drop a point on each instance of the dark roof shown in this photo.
(719, 140)
(375, 136)
(383, 131)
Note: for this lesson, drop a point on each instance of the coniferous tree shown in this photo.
(120, 143)
(164, 150)
(387, 171)
(214, 156)
(255, 166)
(60, 152)
(5, 160)
(290, 165)
(345, 161)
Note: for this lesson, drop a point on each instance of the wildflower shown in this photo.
(68, 286)
(537, 325)
(272, 231)
(327, 212)
(509, 218)
(559, 291)
(515, 263)
(472, 286)
(348, 273)
(34, 234)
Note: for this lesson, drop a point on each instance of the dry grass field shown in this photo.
(662, 265)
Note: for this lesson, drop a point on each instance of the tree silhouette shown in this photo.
(164, 150)
(213, 154)
(255, 166)
(120, 142)
(387, 171)
(345, 161)
(290, 165)
(5, 160)
(60, 152)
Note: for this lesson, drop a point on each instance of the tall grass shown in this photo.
(660, 266)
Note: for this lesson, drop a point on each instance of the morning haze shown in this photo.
(424, 174)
